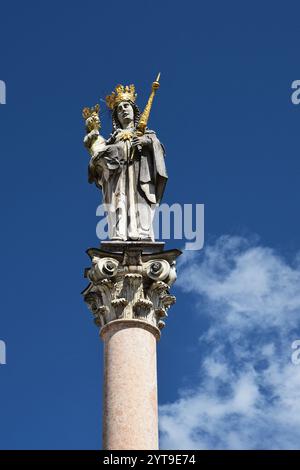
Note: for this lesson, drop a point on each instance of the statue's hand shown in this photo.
(93, 134)
(90, 138)
(142, 141)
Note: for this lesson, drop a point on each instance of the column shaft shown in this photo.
(130, 417)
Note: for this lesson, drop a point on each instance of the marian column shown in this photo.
(130, 274)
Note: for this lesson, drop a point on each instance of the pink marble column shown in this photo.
(130, 417)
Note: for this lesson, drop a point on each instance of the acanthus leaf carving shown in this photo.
(130, 287)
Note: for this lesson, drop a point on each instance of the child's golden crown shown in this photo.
(88, 112)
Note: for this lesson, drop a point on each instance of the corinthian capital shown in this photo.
(131, 285)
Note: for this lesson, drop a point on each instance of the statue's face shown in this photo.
(125, 113)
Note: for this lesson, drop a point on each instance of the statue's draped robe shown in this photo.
(131, 190)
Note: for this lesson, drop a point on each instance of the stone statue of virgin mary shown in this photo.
(129, 167)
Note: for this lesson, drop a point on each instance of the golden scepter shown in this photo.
(142, 124)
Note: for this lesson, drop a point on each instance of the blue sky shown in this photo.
(231, 133)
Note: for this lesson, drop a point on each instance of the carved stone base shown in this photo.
(130, 280)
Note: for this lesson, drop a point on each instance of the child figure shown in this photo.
(93, 141)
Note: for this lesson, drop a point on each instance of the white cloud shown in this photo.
(248, 396)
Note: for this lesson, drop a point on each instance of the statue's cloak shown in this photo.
(150, 168)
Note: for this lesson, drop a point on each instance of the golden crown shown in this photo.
(121, 93)
(88, 112)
